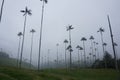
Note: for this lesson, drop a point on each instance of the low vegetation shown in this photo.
(12, 73)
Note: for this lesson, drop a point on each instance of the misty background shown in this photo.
(86, 16)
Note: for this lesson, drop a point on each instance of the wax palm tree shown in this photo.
(31, 31)
(81, 53)
(26, 12)
(19, 35)
(84, 39)
(101, 30)
(57, 45)
(65, 42)
(94, 56)
(1, 10)
(97, 50)
(90, 57)
(91, 39)
(105, 44)
(113, 46)
(69, 28)
(78, 47)
(44, 1)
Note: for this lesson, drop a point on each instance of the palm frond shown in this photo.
(22, 11)
(46, 1)
(32, 31)
(65, 41)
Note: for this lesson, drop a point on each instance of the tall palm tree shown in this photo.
(84, 39)
(57, 54)
(97, 50)
(1, 10)
(69, 28)
(65, 42)
(81, 53)
(101, 30)
(91, 38)
(105, 44)
(26, 12)
(90, 57)
(78, 47)
(19, 35)
(113, 46)
(31, 31)
(48, 58)
(40, 40)
(94, 57)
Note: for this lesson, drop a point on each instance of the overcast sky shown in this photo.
(86, 16)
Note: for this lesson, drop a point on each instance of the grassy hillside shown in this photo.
(7, 73)
(12, 62)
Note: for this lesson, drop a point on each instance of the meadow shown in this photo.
(12, 73)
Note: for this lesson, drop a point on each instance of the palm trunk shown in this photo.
(78, 59)
(48, 58)
(40, 36)
(57, 58)
(31, 50)
(1, 10)
(65, 57)
(18, 51)
(95, 51)
(20, 63)
(70, 49)
(81, 57)
(84, 54)
(115, 60)
(103, 49)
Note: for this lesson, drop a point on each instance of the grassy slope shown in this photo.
(12, 62)
(82, 74)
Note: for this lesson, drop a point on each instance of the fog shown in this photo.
(86, 16)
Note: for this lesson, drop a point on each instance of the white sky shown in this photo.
(86, 16)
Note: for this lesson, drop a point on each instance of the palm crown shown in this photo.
(83, 39)
(26, 11)
(101, 30)
(78, 47)
(19, 34)
(104, 44)
(65, 41)
(69, 28)
(44, 1)
(32, 31)
(91, 38)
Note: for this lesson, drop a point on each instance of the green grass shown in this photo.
(12, 73)
(13, 62)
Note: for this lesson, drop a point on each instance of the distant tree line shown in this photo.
(109, 61)
(3, 55)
